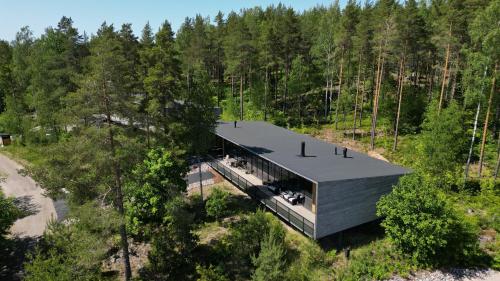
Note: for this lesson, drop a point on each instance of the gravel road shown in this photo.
(455, 274)
(29, 196)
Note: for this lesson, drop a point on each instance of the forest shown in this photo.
(111, 121)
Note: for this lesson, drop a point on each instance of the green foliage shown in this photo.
(155, 181)
(377, 261)
(54, 65)
(441, 145)
(93, 105)
(74, 250)
(217, 203)
(270, 263)
(245, 238)
(211, 273)
(5, 72)
(9, 213)
(77, 159)
(173, 244)
(421, 222)
(484, 31)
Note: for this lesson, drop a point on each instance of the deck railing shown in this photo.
(287, 214)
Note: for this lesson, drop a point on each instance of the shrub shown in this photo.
(270, 263)
(173, 244)
(211, 273)
(442, 145)
(217, 202)
(377, 261)
(421, 223)
(74, 250)
(9, 213)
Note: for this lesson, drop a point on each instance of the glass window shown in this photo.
(265, 170)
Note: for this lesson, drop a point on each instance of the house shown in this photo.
(318, 187)
(4, 139)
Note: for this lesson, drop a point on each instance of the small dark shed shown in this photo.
(5, 139)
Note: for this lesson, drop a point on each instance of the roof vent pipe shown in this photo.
(345, 152)
(335, 150)
(303, 149)
(235, 122)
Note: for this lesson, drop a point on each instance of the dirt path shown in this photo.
(29, 196)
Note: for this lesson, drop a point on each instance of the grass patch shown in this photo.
(25, 155)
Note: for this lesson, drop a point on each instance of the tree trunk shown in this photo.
(340, 90)
(454, 82)
(285, 92)
(431, 83)
(330, 97)
(266, 89)
(326, 98)
(497, 166)
(361, 106)
(445, 73)
(400, 93)
(495, 122)
(119, 194)
(276, 70)
(467, 165)
(487, 118)
(241, 96)
(201, 178)
(356, 99)
(232, 85)
(380, 67)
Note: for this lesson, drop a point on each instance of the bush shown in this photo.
(217, 202)
(422, 224)
(211, 273)
(173, 243)
(9, 213)
(441, 147)
(74, 250)
(270, 263)
(377, 261)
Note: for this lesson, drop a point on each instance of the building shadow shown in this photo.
(242, 203)
(354, 237)
(258, 149)
(13, 254)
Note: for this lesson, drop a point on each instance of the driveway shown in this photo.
(29, 196)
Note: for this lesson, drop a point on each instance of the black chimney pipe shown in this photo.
(303, 149)
(235, 122)
(335, 150)
(345, 152)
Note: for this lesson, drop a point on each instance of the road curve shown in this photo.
(28, 194)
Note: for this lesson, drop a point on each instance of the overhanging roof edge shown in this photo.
(272, 161)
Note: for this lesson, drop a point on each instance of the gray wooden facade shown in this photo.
(349, 203)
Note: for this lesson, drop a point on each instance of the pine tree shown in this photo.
(238, 52)
(54, 63)
(103, 94)
(146, 61)
(270, 262)
(163, 84)
(5, 73)
(484, 34)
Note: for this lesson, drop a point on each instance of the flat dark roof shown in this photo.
(282, 147)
